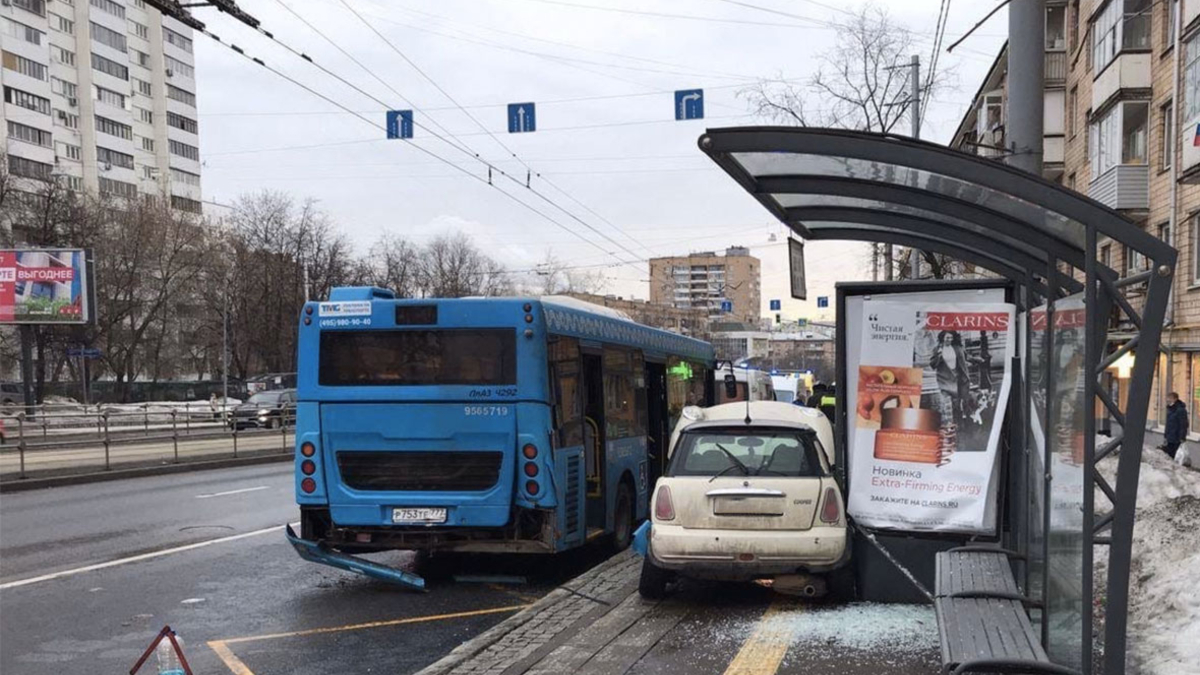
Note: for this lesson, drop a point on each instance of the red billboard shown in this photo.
(44, 286)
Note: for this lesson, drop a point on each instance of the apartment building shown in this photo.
(1122, 125)
(727, 286)
(100, 95)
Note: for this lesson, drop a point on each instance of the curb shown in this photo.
(480, 643)
(23, 485)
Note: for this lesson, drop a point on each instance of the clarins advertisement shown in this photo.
(933, 381)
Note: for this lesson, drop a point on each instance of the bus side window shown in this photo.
(563, 357)
(624, 383)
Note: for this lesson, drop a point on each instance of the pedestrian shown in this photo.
(814, 399)
(1177, 425)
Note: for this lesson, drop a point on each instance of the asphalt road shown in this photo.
(210, 560)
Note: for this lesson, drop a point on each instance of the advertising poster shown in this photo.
(932, 386)
(43, 286)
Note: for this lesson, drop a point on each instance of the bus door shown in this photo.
(594, 437)
(657, 432)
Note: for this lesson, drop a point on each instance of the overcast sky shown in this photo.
(602, 81)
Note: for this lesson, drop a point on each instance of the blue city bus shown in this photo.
(481, 424)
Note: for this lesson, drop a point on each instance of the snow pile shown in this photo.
(1164, 612)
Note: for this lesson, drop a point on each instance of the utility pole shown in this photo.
(1026, 83)
(914, 86)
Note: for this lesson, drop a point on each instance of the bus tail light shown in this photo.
(531, 469)
(530, 451)
(664, 509)
(531, 487)
(308, 485)
(308, 449)
(308, 467)
(831, 511)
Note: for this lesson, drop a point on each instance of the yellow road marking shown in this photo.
(237, 667)
(764, 650)
(231, 661)
(524, 597)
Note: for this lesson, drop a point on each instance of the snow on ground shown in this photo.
(1164, 619)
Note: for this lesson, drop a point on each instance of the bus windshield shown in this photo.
(477, 356)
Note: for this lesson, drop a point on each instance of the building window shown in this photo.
(1072, 104)
(117, 188)
(62, 24)
(108, 36)
(36, 6)
(74, 183)
(1056, 39)
(180, 122)
(1170, 21)
(28, 134)
(1167, 134)
(146, 116)
(1121, 25)
(27, 168)
(1106, 255)
(63, 56)
(1071, 181)
(111, 7)
(139, 57)
(70, 151)
(1196, 248)
(26, 100)
(143, 87)
(1134, 261)
(64, 88)
(22, 32)
(184, 150)
(110, 97)
(139, 30)
(184, 43)
(177, 67)
(114, 128)
(185, 177)
(109, 67)
(24, 66)
(182, 95)
(189, 205)
(1119, 137)
(148, 172)
(66, 119)
(147, 144)
(105, 156)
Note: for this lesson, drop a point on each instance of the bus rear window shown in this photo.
(486, 356)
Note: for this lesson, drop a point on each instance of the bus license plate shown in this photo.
(425, 515)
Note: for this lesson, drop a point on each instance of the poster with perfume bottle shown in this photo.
(928, 410)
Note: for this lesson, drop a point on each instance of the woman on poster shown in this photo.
(950, 362)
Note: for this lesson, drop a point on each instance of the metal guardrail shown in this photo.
(66, 426)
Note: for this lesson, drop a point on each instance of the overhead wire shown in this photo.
(935, 53)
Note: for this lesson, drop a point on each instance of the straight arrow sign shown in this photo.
(522, 117)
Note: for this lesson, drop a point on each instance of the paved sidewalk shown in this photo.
(597, 624)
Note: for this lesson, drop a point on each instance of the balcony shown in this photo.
(1052, 149)
(1125, 186)
(1130, 70)
(1056, 68)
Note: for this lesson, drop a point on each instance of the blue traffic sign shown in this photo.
(822, 301)
(87, 353)
(726, 306)
(689, 104)
(801, 322)
(522, 117)
(776, 305)
(399, 124)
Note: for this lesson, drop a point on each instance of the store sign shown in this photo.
(44, 286)
(931, 388)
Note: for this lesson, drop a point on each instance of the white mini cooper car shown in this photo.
(749, 494)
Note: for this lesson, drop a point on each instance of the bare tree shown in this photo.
(554, 278)
(452, 267)
(394, 263)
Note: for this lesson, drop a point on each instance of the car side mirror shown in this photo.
(731, 388)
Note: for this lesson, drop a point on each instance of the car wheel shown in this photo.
(623, 518)
(840, 583)
(272, 423)
(652, 585)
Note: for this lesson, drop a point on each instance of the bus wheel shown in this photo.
(623, 517)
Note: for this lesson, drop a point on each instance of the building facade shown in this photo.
(709, 281)
(690, 322)
(100, 96)
(1122, 125)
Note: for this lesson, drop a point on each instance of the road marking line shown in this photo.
(235, 665)
(137, 558)
(375, 624)
(233, 492)
(764, 650)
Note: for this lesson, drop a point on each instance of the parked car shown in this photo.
(11, 394)
(749, 494)
(266, 409)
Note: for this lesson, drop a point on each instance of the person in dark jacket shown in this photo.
(1177, 424)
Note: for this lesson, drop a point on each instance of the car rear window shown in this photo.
(762, 451)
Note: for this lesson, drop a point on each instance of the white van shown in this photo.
(753, 383)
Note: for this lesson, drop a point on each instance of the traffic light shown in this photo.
(778, 319)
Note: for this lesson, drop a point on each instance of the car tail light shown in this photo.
(531, 469)
(530, 451)
(531, 487)
(831, 511)
(308, 449)
(663, 508)
(308, 467)
(308, 485)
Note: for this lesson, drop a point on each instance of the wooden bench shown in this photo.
(981, 616)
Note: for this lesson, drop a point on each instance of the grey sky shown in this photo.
(618, 151)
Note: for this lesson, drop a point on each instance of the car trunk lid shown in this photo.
(745, 502)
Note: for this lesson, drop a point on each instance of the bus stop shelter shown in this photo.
(835, 184)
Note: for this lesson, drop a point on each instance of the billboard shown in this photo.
(45, 286)
(796, 269)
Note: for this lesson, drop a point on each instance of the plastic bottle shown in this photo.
(168, 660)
